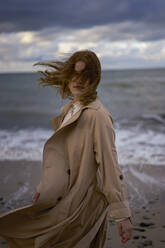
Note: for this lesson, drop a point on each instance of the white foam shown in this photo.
(134, 146)
(136, 149)
(17, 198)
(24, 144)
(155, 117)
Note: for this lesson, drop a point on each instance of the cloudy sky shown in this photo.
(123, 33)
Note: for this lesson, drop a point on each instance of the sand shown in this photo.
(18, 182)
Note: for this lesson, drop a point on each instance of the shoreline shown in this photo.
(18, 182)
(148, 230)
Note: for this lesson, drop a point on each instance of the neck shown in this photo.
(75, 99)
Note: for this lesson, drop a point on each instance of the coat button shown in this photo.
(68, 171)
(121, 177)
(59, 198)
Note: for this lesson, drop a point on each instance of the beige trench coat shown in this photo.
(81, 187)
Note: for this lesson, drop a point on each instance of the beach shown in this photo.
(135, 99)
(18, 181)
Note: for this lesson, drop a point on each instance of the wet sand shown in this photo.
(18, 181)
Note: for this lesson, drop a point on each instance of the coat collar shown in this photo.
(56, 121)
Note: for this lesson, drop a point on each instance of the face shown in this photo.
(75, 86)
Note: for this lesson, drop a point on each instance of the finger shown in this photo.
(123, 238)
(34, 198)
(37, 197)
(120, 229)
(127, 236)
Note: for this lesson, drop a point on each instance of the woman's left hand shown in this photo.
(35, 197)
(125, 229)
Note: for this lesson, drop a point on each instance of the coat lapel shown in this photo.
(56, 121)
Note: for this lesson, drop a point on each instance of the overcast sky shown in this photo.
(123, 33)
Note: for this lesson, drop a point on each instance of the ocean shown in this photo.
(135, 99)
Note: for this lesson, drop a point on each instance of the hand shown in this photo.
(35, 197)
(125, 229)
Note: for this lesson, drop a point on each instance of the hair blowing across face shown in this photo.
(63, 71)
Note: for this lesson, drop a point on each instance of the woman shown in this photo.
(82, 185)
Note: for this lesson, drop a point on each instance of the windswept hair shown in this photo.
(63, 71)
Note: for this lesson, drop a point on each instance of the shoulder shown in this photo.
(100, 114)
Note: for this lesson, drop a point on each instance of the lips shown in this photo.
(78, 87)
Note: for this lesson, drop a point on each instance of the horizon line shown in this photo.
(110, 69)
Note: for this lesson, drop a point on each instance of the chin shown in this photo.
(76, 92)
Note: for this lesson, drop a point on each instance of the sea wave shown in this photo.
(134, 145)
(24, 144)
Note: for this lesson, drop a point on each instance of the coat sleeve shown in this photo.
(109, 173)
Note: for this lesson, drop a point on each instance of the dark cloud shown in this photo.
(23, 15)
